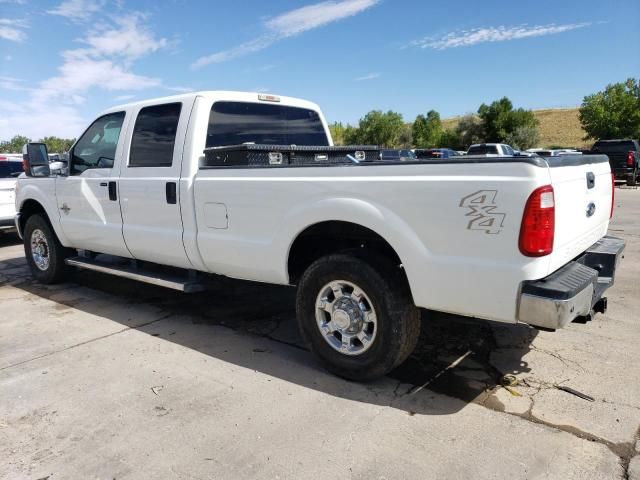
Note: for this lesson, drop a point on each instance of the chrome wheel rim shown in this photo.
(346, 317)
(40, 249)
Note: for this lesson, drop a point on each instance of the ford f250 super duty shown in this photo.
(249, 186)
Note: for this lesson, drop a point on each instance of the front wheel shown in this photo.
(44, 252)
(358, 319)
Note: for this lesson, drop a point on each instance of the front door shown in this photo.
(149, 190)
(88, 197)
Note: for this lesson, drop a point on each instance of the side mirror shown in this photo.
(35, 158)
(58, 168)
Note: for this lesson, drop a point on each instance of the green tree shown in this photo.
(451, 139)
(352, 136)
(500, 119)
(14, 145)
(58, 145)
(469, 130)
(406, 136)
(523, 137)
(612, 113)
(337, 130)
(379, 128)
(427, 130)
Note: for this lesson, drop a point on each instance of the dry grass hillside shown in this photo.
(558, 127)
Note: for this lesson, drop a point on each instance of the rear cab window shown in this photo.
(235, 123)
(483, 150)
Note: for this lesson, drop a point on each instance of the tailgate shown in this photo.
(582, 188)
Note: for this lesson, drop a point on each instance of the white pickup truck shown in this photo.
(248, 186)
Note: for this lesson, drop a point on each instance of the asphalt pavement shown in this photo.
(104, 378)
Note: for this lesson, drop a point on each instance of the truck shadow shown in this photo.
(256, 310)
(8, 239)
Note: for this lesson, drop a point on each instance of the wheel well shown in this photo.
(30, 207)
(332, 237)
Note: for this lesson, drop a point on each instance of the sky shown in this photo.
(63, 61)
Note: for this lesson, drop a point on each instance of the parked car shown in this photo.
(10, 168)
(491, 150)
(397, 155)
(624, 157)
(553, 152)
(424, 153)
(248, 186)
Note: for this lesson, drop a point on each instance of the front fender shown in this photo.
(43, 191)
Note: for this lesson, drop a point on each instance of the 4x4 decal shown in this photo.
(482, 206)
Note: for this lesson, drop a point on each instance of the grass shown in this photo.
(558, 127)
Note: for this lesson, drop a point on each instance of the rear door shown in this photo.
(583, 193)
(152, 223)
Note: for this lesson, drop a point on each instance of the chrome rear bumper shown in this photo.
(572, 291)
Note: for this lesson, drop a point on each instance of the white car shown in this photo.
(248, 186)
(10, 168)
(553, 152)
(491, 150)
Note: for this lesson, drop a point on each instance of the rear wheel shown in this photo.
(44, 252)
(632, 179)
(359, 319)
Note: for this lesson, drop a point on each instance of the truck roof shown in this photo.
(256, 97)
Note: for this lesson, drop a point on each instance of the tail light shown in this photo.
(613, 194)
(630, 158)
(538, 223)
(3, 158)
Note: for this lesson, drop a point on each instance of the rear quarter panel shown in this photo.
(455, 226)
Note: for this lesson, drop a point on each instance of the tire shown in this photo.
(367, 285)
(632, 179)
(44, 252)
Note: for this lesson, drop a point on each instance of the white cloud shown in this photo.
(12, 83)
(37, 120)
(52, 107)
(368, 76)
(316, 15)
(77, 10)
(289, 24)
(122, 98)
(130, 39)
(467, 38)
(180, 89)
(13, 30)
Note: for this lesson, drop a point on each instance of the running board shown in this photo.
(154, 278)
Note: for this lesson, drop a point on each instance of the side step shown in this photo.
(174, 282)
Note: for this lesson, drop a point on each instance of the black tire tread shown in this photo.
(395, 304)
(58, 269)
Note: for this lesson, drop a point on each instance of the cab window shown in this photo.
(96, 148)
(154, 136)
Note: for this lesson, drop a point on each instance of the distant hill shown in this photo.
(558, 127)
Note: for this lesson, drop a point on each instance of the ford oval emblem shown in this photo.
(591, 209)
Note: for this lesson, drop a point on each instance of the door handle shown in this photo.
(113, 194)
(171, 193)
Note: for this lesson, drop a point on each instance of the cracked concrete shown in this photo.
(235, 395)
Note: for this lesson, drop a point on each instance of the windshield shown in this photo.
(235, 123)
(10, 166)
(622, 146)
